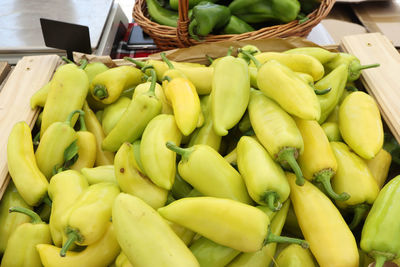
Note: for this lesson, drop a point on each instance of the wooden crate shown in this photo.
(32, 72)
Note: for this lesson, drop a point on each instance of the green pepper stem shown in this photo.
(288, 155)
(83, 64)
(351, 88)
(322, 92)
(34, 216)
(272, 238)
(138, 63)
(72, 237)
(47, 201)
(184, 152)
(69, 118)
(82, 122)
(167, 61)
(65, 59)
(100, 91)
(379, 260)
(192, 25)
(363, 67)
(271, 198)
(229, 53)
(210, 59)
(167, 78)
(251, 57)
(36, 139)
(324, 177)
(153, 81)
(359, 213)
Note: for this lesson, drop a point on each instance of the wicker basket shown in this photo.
(166, 37)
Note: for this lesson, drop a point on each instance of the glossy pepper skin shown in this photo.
(99, 254)
(94, 126)
(265, 180)
(132, 123)
(145, 237)
(57, 138)
(10, 221)
(360, 124)
(162, 15)
(133, 182)
(353, 177)
(227, 222)
(104, 173)
(21, 246)
(381, 225)
(87, 219)
(321, 223)
(113, 112)
(69, 82)
(108, 85)
(92, 69)
(230, 93)
(209, 173)
(277, 131)
(236, 26)
(295, 256)
(318, 162)
(379, 166)
(64, 189)
(161, 129)
(24, 171)
(207, 17)
(175, 3)
(255, 11)
(321, 54)
(39, 98)
(336, 80)
(264, 256)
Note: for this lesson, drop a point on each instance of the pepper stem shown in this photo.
(272, 199)
(210, 59)
(83, 64)
(288, 155)
(34, 216)
(65, 59)
(322, 92)
(153, 81)
(138, 63)
(72, 237)
(82, 122)
(167, 61)
(184, 152)
(272, 238)
(363, 67)
(379, 260)
(69, 118)
(192, 25)
(324, 177)
(351, 88)
(47, 201)
(251, 57)
(359, 213)
(100, 91)
(229, 53)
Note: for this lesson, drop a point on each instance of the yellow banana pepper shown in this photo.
(379, 166)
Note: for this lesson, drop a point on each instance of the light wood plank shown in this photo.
(28, 76)
(4, 70)
(383, 82)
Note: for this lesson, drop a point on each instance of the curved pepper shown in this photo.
(206, 18)
(10, 221)
(180, 188)
(336, 80)
(264, 256)
(175, 3)
(71, 83)
(92, 69)
(122, 261)
(379, 166)
(317, 161)
(332, 131)
(296, 62)
(265, 180)
(21, 246)
(382, 224)
(230, 93)
(321, 223)
(87, 219)
(161, 129)
(39, 98)
(100, 174)
(360, 124)
(236, 26)
(295, 256)
(292, 93)
(321, 54)
(24, 171)
(220, 181)
(162, 15)
(113, 112)
(256, 11)
(145, 237)
(108, 85)
(99, 254)
(227, 224)
(276, 131)
(183, 233)
(86, 142)
(354, 177)
(50, 154)
(94, 126)
(133, 182)
(133, 122)
(64, 189)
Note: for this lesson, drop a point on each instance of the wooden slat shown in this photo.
(383, 82)
(4, 70)
(28, 76)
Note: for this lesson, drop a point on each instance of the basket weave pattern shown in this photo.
(166, 37)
